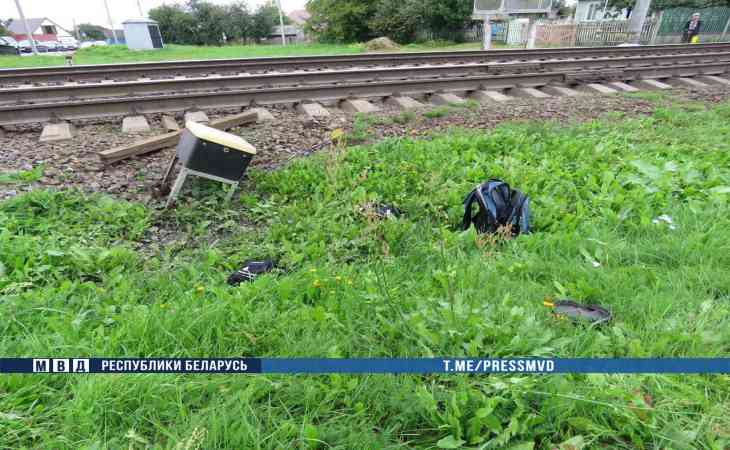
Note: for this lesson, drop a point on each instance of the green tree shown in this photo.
(447, 19)
(3, 30)
(399, 20)
(264, 21)
(91, 32)
(239, 22)
(210, 21)
(341, 20)
(176, 24)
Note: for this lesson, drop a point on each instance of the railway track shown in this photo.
(26, 104)
(28, 95)
(197, 68)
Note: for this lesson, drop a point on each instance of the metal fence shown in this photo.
(665, 27)
(715, 24)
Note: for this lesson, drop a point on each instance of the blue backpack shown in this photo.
(498, 206)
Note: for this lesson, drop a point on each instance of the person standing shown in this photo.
(692, 29)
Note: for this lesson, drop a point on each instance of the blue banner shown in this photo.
(444, 365)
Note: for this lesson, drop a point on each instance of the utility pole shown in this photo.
(487, 30)
(28, 31)
(281, 23)
(139, 6)
(636, 21)
(111, 23)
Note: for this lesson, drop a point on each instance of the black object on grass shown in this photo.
(593, 314)
(384, 211)
(250, 270)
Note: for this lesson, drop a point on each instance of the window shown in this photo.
(593, 9)
(49, 29)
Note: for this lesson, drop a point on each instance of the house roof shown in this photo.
(16, 25)
(299, 16)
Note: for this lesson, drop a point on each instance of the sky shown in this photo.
(63, 12)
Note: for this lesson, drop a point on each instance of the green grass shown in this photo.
(120, 54)
(73, 283)
(22, 176)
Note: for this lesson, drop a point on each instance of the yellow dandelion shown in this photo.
(163, 305)
(316, 283)
(199, 289)
(338, 278)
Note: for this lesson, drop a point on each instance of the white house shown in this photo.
(594, 10)
(42, 29)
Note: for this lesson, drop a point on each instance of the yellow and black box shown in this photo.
(214, 152)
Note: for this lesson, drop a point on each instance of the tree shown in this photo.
(400, 20)
(264, 21)
(3, 30)
(447, 19)
(210, 22)
(561, 9)
(176, 24)
(341, 20)
(91, 32)
(239, 22)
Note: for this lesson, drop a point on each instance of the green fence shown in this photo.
(714, 20)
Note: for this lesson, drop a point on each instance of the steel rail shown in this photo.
(96, 108)
(103, 90)
(261, 65)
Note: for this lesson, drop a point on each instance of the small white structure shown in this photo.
(597, 10)
(142, 34)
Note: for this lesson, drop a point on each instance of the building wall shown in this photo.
(586, 11)
(37, 37)
(137, 36)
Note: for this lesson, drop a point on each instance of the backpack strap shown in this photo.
(471, 198)
(486, 201)
(525, 216)
(499, 193)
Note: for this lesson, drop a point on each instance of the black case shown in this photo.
(212, 158)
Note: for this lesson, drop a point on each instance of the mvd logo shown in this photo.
(60, 365)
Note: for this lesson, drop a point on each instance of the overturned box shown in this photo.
(214, 152)
(210, 153)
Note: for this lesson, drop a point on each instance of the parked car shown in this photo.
(69, 43)
(8, 46)
(100, 43)
(25, 46)
(53, 46)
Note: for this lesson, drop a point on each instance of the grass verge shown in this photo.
(114, 54)
(73, 283)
